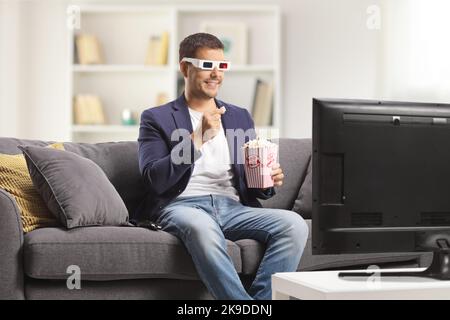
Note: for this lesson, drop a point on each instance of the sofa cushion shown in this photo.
(110, 253)
(74, 188)
(294, 160)
(252, 253)
(303, 203)
(10, 145)
(16, 180)
(130, 289)
(119, 161)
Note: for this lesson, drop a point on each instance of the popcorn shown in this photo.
(260, 155)
(259, 143)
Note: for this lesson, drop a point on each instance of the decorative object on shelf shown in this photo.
(128, 118)
(233, 36)
(88, 49)
(262, 103)
(88, 109)
(158, 49)
(162, 98)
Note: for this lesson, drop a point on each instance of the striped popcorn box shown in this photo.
(259, 157)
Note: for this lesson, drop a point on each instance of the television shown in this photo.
(381, 180)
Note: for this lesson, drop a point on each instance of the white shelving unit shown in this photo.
(125, 82)
(119, 68)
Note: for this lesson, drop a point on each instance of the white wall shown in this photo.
(44, 63)
(9, 67)
(416, 51)
(327, 51)
(34, 69)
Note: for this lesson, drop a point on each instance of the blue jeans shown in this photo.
(204, 222)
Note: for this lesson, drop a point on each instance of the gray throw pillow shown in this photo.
(303, 203)
(75, 189)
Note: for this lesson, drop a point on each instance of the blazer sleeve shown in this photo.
(161, 167)
(263, 194)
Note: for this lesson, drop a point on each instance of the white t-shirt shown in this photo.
(212, 171)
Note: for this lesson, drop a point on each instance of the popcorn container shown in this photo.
(258, 165)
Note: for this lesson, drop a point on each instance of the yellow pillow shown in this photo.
(15, 179)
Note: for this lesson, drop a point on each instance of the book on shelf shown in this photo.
(88, 49)
(88, 110)
(158, 50)
(262, 108)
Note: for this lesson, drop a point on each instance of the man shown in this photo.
(203, 198)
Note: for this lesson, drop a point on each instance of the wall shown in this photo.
(327, 51)
(415, 51)
(9, 47)
(34, 86)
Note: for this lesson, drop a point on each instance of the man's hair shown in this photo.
(190, 44)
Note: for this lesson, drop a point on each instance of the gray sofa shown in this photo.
(137, 263)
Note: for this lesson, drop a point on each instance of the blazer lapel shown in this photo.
(181, 114)
(229, 123)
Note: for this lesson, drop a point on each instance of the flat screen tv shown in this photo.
(381, 179)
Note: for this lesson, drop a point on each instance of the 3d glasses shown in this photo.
(208, 64)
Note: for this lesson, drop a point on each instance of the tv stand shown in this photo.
(439, 268)
(326, 285)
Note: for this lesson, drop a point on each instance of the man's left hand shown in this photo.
(277, 175)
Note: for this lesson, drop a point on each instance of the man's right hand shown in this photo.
(209, 128)
(211, 123)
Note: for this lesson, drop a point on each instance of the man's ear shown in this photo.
(184, 68)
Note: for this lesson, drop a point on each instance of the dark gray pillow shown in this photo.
(75, 189)
(303, 203)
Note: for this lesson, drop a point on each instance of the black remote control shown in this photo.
(147, 224)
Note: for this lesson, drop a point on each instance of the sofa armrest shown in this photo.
(11, 244)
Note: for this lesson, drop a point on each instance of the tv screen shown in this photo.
(381, 176)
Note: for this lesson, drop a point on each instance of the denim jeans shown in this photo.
(203, 223)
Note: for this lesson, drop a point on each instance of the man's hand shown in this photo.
(211, 123)
(209, 128)
(277, 175)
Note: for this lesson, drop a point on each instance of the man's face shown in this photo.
(204, 84)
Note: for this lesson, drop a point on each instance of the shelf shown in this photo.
(129, 9)
(119, 68)
(105, 129)
(195, 8)
(124, 129)
(227, 8)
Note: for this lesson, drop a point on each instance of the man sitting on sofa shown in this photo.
(204, 200)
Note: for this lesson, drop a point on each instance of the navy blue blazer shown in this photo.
(166, 179)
